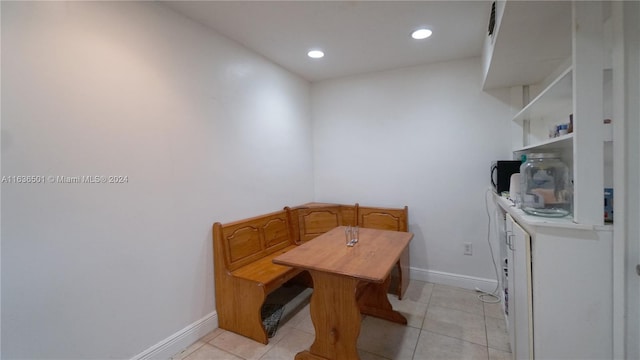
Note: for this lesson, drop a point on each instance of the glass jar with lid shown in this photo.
(544, 185)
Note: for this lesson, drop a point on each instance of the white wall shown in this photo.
(423, 137)
(205, 131)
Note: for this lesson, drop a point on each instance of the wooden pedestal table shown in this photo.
(347, 281)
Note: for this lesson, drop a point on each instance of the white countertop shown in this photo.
(531, 220)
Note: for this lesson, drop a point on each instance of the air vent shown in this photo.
(492, 19)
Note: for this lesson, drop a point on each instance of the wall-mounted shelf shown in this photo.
(555, 102)
(560, 142)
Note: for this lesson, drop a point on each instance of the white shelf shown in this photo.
(552, 102)
(561, 142)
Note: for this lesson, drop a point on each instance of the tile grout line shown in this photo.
(190, 352)
(486, 331)
(456, 338)
(424, 318)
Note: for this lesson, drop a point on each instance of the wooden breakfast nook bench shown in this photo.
(244, 272)
(243, 251)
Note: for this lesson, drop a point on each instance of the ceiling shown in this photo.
(356, 36)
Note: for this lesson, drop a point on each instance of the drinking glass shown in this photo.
(348, 234)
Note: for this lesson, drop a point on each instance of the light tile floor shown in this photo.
(443, 323)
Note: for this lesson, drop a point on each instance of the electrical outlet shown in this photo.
(468, 249)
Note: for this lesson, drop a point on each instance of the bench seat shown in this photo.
(265, 273)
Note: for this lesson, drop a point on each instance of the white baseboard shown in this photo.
(182, 339)
(458, 280)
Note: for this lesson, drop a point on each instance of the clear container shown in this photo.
(544, 185)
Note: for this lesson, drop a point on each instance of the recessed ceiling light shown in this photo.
(315, 54)
(421, 34)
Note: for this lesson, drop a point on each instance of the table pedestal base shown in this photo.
(335, 311)
(373, 300)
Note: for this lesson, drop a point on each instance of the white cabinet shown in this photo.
(520, 306)
(560, 287)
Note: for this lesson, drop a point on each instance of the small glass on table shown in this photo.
(351, 235)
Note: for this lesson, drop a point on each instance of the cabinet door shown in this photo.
(520, 295)
(510, 305)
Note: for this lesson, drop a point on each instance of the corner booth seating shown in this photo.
(243, 251)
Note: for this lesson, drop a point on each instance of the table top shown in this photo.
(371, 259)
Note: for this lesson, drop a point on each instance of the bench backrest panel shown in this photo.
(276, 232)
(245, 241)
(242, 242)
(349, 215)
(317, 221)
(248, 240)
(383, 218)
